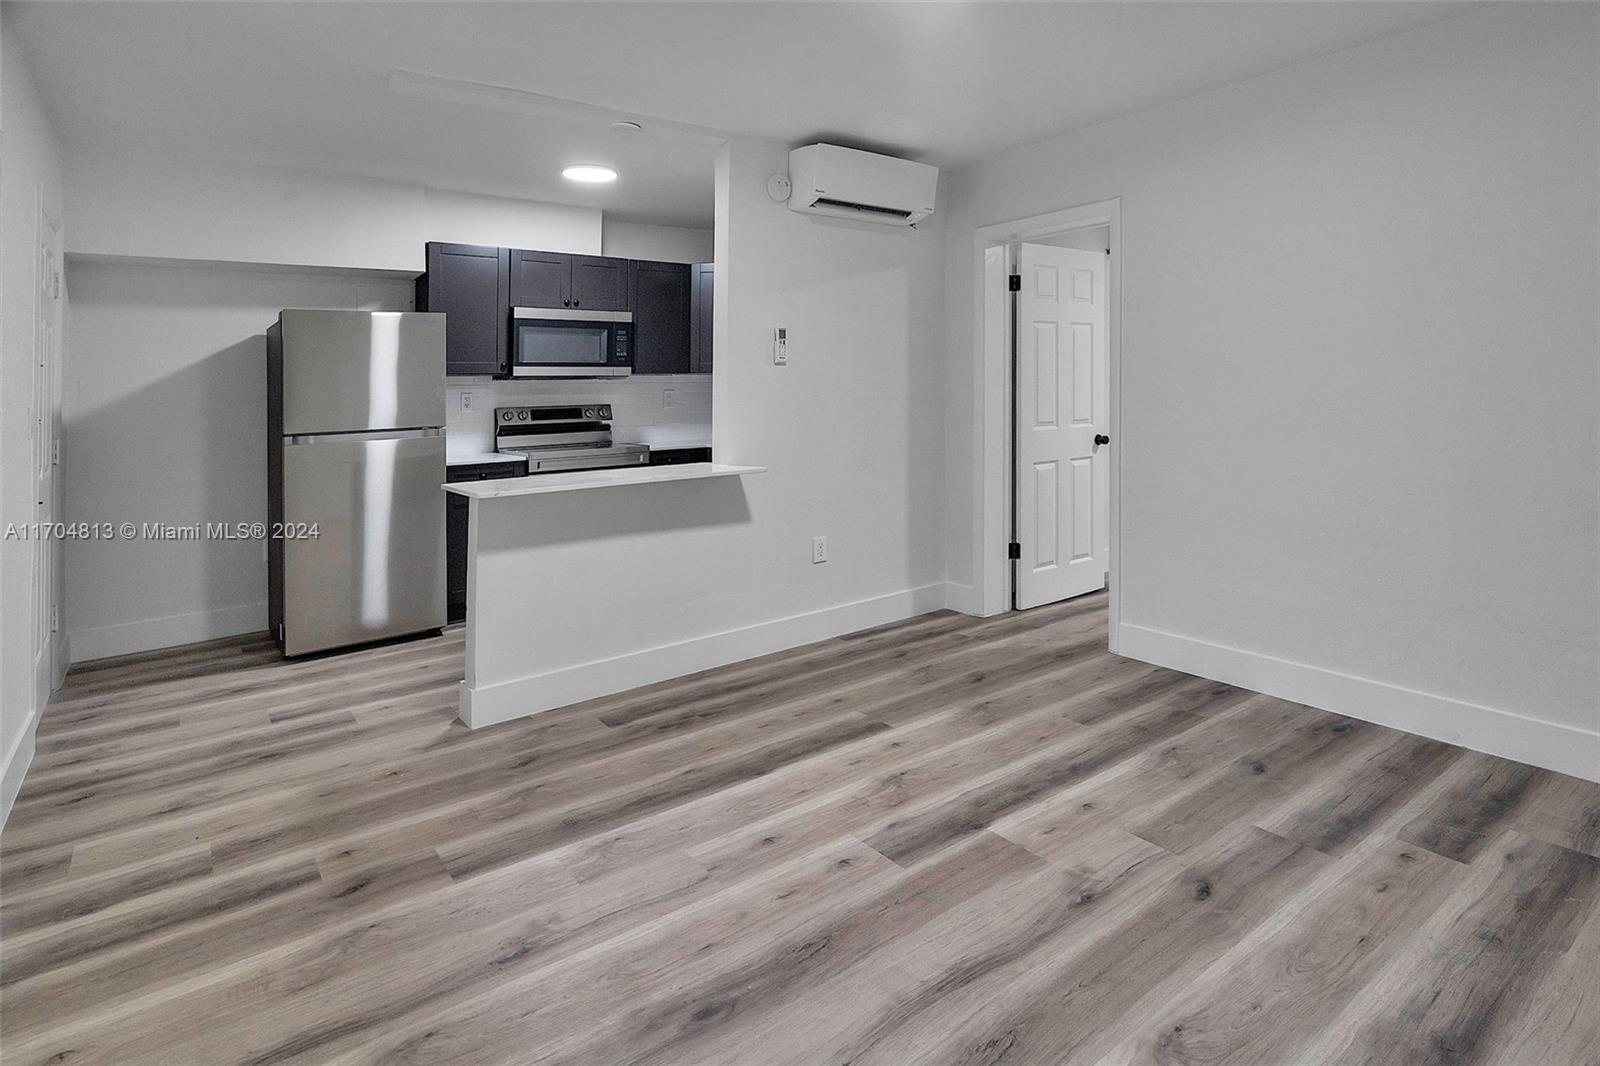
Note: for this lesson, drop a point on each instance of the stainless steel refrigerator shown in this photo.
(355, 461)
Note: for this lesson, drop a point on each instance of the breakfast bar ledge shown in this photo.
(578, 480)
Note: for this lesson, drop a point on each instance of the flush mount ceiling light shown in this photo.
(589, 174)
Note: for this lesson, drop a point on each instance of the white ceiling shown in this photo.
(307, 85)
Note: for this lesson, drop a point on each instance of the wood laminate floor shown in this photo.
(943, 841)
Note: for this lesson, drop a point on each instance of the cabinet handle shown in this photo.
(574, 303)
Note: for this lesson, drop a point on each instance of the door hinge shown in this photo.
(1013, 550)
(1014, 283)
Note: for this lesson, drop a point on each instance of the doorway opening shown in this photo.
(1050, 292)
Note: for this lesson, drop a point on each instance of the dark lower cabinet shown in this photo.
(468, 283)
(660, 317)
(674, 456)
(702, 300)
(455, 548)
(455, 529)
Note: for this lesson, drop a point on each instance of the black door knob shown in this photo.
(574, 303)
(566, 303)
(1101, 438)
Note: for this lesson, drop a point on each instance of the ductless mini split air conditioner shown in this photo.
(865, 186)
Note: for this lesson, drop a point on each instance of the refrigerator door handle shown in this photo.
(370, 434)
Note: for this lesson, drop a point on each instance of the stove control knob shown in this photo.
(605, 410)
(588, 412)
(522, 416)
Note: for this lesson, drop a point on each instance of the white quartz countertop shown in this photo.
(579, 480)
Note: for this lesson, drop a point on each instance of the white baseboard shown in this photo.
(488, 704)
(18, 759)
(148, 634)
(1562, 748)
(963, 598)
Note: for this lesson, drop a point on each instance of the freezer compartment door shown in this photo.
(361, 370)
(376, 567)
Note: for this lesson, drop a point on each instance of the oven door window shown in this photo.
(556, 344)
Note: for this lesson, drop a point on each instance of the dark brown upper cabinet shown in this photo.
(555, 279)
(477, 286)
(702, 300)
(660, 317)
(468, 283)
(599, 283)
(540, 279)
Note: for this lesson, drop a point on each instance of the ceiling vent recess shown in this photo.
(846, 183)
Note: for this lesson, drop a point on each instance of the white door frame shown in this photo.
(992, 341)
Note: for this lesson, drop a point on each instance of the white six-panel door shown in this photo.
(1062, 476)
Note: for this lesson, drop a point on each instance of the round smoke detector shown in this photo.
(778, 187)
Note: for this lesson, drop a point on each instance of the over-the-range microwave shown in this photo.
(564, 342)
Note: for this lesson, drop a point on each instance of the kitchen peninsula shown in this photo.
(546, 559)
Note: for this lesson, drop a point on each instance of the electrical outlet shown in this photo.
(819, 549)
(669, 397)
(467, 399)
(780, 350)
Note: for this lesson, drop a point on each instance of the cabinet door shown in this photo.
(455, 539)
(540, 279)
(599, 283)
(702, 302)
(660, 318)
(467, 282)
(676, 456)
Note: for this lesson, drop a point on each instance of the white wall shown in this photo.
(165, 421)
(30, 177)
(1358, 434)
(467, 218)
(139, 206)
(667, 244)
(851, 427)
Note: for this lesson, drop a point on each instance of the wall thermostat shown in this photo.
(780, 347)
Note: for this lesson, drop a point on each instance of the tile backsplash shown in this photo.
(661, 410)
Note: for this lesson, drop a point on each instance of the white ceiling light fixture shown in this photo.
(590, 174)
